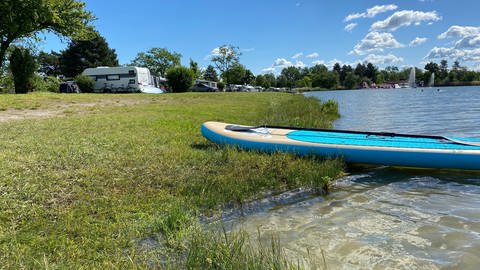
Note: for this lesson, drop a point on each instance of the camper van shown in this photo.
(124, 79)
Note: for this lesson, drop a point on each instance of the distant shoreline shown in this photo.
(318, 89)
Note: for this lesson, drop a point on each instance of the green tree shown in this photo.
(304, 72)
(456, 65)
(82, 54)
(180, 79)
(371, 72)
(360, 70)
(351, 80)
(23, 66)
(196, 71)
(260, 80)
(433, 68)
(157, 60)
(225, 57)
(281, 81)
(306, 81)
(337, 68)
(426, 78)
(380, 78)
(49, 63)
(272, 81)
(210, 74)
(443, 69)
(249, 78)
(235, 74)
(318, 69)
(292, 75)
(327, 80)
(343, 73)
(419, 76)
(20, 19)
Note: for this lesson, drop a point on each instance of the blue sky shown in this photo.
(273, 34)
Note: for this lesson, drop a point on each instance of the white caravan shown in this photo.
(124, 79)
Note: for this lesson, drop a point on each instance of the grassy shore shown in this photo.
(119, 181)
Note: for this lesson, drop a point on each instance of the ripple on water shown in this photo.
(382, 220)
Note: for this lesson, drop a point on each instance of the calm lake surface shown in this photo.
(383, 217)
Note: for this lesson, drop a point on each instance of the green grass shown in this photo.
(83, 190)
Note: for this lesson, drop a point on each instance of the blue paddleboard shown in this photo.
(354, 147)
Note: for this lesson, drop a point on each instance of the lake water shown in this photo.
(386, 218)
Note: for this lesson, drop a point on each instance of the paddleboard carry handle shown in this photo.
(239, 128)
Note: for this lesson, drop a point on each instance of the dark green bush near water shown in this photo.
(85, 83)
(180, 79)
(23, 66)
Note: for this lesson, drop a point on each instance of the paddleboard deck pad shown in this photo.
(377, 148)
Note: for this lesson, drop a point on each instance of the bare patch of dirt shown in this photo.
(63, 109)
(12, 115)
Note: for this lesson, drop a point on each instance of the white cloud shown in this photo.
(376, 42)
(382, 59)
(330, 63)
(371, 12)
(354, 16)
(469, 36)
(417, 41)
(281, 62)
(456, 31)
(268, 70)
(313, 55)
(297, 55)
(466, 48)
(318, 62)
(405, 18)
(349, 27)
(454, 54)
(468, 42)
(215, 51)
(300, 64)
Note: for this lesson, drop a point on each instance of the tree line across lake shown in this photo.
(24, 70)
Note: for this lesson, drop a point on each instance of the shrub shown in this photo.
(221, 86)
(85, 83)
(46, 84)
(180, 79)
(6, 84)
(23, 66)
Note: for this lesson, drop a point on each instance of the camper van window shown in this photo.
(131, 72)
(113, 77)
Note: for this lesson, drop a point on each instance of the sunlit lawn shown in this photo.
(81, 190)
